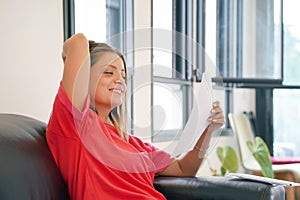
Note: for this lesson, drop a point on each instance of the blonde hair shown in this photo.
(118, 115)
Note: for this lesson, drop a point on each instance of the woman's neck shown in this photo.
(102, 113)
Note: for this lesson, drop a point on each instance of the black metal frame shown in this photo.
(69, 18)
(180, 26)
(200, 39)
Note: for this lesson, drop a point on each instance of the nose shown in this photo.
(119, 78)
(120, 81)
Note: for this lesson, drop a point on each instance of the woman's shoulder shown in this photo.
(138, 142)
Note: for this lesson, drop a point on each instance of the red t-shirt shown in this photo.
(95, 162)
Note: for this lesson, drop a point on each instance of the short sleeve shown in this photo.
(160, 158)
(66, 119)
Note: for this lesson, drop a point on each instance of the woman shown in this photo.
(87, 133)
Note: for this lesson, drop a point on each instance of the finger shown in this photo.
(216, 110)
(216, 104)
(217, 114)
(219, 120)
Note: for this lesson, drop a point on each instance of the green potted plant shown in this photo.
(261, 154)
(229, 161)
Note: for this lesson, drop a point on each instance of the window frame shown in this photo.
(68, 18)
(264, 87)
(182, 24)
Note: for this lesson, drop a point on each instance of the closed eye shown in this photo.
(110, 73)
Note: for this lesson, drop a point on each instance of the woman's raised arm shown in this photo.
(76, 73)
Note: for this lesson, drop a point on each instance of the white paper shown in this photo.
(197, 121)
(271, 181)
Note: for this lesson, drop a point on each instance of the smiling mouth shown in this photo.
(116, 90)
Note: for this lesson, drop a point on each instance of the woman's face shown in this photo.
(107, 81)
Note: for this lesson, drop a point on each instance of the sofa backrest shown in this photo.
(27, 169)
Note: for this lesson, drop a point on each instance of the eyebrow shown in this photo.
(116, 67)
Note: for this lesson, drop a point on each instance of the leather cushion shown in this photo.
(216, 187)
(27, 170)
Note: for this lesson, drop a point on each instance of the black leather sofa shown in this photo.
(27, 171)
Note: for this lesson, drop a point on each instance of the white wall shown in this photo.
(31, 68)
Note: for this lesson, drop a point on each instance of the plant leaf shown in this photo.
(230, 162)
(220, 154)
(223, 171)
(213, 171)
(262, 156)
(250, 146)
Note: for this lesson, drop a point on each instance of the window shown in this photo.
(242, 38)
(262, 35)
(286, 122)
(90, 19)
(266, 59)
(255, 52)
(248, 42)
(286, 99)
(245, 44)
(172, 67)
(162, 19)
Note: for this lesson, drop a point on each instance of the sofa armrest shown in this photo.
(27, 169)
(214, 187)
